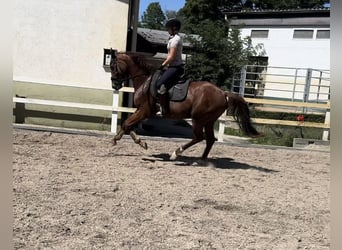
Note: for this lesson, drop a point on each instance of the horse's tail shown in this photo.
(238, 108)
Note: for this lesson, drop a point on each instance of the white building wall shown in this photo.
(62, 41)
(283, 50)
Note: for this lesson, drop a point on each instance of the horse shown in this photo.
(204, 103)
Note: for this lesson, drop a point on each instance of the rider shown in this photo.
(173, 64)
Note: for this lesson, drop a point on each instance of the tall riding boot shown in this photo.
(164, 103)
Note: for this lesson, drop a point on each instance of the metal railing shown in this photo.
(293, 84)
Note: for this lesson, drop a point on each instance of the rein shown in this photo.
(126, 78)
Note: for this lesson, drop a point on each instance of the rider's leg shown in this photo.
(164, 103)
(163, 85)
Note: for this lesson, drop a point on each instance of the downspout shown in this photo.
(134, 17)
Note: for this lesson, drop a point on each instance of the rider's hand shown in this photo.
(161, 67)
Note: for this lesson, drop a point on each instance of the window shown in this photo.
(303, 34)
(259, 34)
(323, 34)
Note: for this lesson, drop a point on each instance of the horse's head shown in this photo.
(128, 65)
(119, 70)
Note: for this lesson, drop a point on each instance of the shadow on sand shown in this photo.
(221, 163)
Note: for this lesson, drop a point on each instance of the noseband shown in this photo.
(119, 80)
(114, 68)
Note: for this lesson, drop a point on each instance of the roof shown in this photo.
(161, 37)
(286, 17)
(276, 13)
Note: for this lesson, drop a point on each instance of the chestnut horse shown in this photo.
(204, 103)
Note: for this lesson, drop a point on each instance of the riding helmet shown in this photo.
(173, 22)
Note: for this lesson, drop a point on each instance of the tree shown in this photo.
(153, 17)
(218, 53)
(220, 50)
(170, 14)
(196, 11)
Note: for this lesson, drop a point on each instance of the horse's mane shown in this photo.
(141, 61)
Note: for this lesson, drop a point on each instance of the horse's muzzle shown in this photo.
(116, 84)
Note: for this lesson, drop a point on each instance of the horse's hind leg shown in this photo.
(210, 139)
(137, 140)
(118, 136)
(197, 137)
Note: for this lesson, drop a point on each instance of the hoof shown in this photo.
(144, 145)
(176, 153)
(113, 142)
(173, 156)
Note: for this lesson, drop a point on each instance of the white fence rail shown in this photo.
(117, 107)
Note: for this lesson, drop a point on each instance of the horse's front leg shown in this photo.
(136, 117)
(137, 140)
(118, 136)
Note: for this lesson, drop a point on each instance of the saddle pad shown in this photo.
(179, 92)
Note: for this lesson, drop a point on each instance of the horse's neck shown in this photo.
(139, 77)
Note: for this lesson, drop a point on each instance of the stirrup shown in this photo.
(161, 111)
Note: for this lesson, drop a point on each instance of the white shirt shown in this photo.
(176, 41)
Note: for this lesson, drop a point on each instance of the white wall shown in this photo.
(62, 41)
(284, 51)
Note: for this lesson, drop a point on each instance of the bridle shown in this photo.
(118, 80)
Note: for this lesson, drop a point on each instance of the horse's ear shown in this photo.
(113, 53)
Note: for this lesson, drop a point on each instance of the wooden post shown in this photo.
(243, 80)
(325, 136)
(135, 14)
(221, 131)
(115, 105)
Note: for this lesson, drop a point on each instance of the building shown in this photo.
(58, 55)
(297, 39)
(154, 43)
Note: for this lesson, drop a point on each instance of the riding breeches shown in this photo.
(170, 76)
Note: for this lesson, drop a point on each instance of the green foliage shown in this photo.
(220, 50)
(153, 17)
(170, 14)
(218, 53)
(196, 11)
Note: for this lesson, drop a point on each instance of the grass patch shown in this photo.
(284, 135)
(279, 135)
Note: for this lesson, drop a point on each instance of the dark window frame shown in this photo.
(300, 34)
(263, 34)
(322, 31)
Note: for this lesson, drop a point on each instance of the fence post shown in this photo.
(115, 105)
(221, 130)
(307, 85)
(325, 136)
(243, 80)
(294, 85)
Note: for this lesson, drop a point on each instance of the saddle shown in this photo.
(177, 93)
